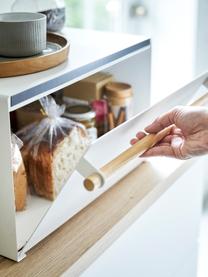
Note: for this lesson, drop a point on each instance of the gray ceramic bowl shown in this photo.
(22, 34)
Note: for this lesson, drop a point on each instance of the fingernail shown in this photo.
(176, 142)
(147, 128)
(132, 141)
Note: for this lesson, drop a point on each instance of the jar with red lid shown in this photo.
(101, 109)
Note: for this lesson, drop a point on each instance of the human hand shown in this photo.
(188, 137)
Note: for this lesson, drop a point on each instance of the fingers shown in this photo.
(139, 136)
(164, 121)
(133, 141)
(177, 131)
(160, 150)
(174, 148)
(167, 139)
(170, 146)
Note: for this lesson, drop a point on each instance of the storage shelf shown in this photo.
(90, 52)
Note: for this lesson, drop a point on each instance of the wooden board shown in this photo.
(74, 246)
(23, 66)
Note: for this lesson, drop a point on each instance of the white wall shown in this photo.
(172, 26)
(202, 37)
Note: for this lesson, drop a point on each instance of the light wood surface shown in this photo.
(74, 246)
(36, 64)
(95, 181)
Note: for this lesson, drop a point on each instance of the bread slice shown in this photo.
(49, 168)
(19, 174)
(20, 187)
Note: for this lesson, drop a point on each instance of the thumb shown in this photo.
(177, 144)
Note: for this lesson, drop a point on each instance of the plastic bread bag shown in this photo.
(52, 149)
(19, 174)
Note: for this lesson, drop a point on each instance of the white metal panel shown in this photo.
(8, 244)
(73, 197)
(136, 70)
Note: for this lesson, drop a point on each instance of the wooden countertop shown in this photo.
(75, 245)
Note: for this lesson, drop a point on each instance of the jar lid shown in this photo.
(118, 90)
(80, 112)
(118, 101)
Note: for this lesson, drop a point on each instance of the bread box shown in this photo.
(19, 232)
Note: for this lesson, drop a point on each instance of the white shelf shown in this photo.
(90, 52)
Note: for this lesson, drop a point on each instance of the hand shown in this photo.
(188, 137)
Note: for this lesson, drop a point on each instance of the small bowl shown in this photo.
(22, 34)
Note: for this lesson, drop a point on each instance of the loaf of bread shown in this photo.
(19, 176)
(50, 165)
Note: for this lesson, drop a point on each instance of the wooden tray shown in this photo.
(55, 54)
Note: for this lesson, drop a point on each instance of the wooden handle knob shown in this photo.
(95, 181)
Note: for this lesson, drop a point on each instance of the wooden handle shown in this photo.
(95, 181)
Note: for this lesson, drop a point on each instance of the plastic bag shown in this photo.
(52, 149)
(19, 174)
(16, 145)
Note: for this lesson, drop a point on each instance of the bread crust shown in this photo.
(20, 187)
(40, 171)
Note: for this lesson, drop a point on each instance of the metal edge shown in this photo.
(56, 82)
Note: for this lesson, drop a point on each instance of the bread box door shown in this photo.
(74, 197)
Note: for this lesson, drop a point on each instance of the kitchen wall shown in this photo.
(177, 28)
(179, 40)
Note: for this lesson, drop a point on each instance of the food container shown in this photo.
(84, 115)
(101, 109)
(119, 97)
(22, 34)
(90, 88)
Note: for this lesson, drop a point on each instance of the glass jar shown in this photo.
(84, 115)
(120, 101)
(101, 109)
(54, 10)
(56, 16)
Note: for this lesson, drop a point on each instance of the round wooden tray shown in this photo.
(55, 54)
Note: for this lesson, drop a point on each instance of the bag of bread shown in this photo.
(19, 174)
(52, 149)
